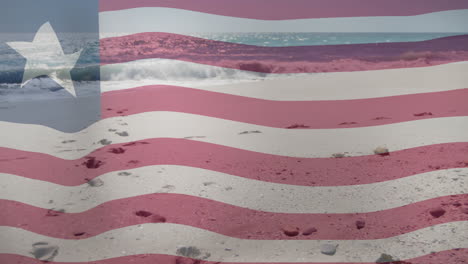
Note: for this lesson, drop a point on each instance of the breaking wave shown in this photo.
(174, 71)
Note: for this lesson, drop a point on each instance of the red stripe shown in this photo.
(327, 58)
(247, 164)
(230, 220)
(284, 114)
(454, 256)
(291, 9)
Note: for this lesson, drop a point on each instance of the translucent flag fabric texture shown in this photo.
(234, 131)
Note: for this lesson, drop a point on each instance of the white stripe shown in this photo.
(167, 238)
(278, 141)
(238, 191)
(159, 19)
(286, 87)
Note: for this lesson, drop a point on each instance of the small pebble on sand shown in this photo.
(328, 249)
(44, 251)
(290, 231)
(382, 151)
(309, 231)
(437, 212)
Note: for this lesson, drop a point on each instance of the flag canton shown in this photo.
(49, 63)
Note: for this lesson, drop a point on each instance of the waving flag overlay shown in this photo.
(234, 131)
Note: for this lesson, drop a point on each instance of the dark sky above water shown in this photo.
(64, 15)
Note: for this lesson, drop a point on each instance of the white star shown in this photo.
(45, 57)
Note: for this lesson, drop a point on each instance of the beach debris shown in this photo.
(44, 251)
(347, 123)
(381, 118)
(122, 134)
(207, 255)
(135, 143)
(189, 252)
(423, 114)
(158, 219)
(360, 224)
(328, 249)
(143, 213)
(154, 217)
(250, 132)
(290, 231)
(95, 182)
(385, 258)
(382, 151)
(117, 150)
(294, 126)
(434, 167)
(309, 231)
(437, 212)
(55, 212)
(105, 142)
(338, 155)
(92, 163)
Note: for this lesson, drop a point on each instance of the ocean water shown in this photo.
(313, 39)
(166, 71)
(12, 63)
